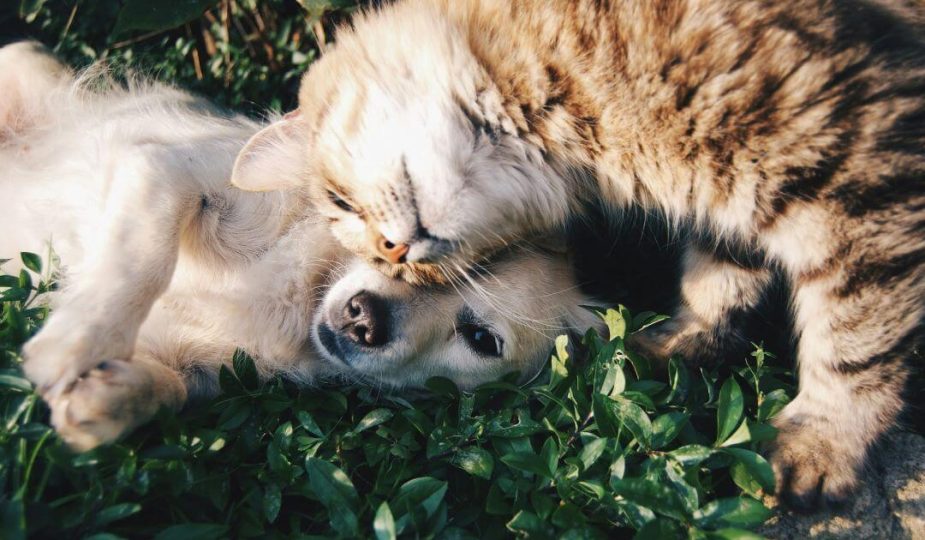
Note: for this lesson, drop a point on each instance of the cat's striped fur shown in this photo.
(791, 130)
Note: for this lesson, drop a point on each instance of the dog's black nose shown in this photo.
(366, 320)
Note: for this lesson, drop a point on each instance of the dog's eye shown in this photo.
(481, 339)
(342, 204)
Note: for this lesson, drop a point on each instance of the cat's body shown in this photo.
(788, 131)
(167, 269)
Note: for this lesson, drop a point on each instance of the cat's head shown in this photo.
(386, 332)
(404, 144)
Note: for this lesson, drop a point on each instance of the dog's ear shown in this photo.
(274, 158)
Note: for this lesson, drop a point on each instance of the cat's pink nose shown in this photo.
(390, 251)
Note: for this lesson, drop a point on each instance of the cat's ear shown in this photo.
(274, 158)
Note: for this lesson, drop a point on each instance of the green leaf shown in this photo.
(25, 280)
(277, 460)
(616, 324)
(679, 379)
(591, 451)
(749, 432)
(771, 404)
(148, 16)
(612, 413)
(373, 419)
(739, 436)
(640, 365)
(732, 512)
(32, 261)
(15, 382)
(559, 361)
(729, 409)
(658, 497)
(758, 469)
(496, 503)
(336, 492)
(193, 531)
(308, 422)
(234, 414)
(647, 319)
(115, 513)
(442, 387)
(550, 453)
(29, 9)
(14, 294)
(245, 370)
(384, 523)
(666, 427)
(692, 454)
(528, 462)
(475, 461)
(659, 529)
(272, 502)
(529, 524)
(543, 504)
(419, 494)
(745, 480)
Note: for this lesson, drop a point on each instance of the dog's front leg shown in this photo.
(129, 261)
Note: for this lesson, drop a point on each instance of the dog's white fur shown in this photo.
(167, 269)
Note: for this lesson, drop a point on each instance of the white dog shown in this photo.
(167, 269)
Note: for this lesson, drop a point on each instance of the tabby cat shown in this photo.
(790, 131)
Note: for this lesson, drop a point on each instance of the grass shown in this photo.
(597, 446)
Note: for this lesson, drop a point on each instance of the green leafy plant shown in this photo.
(599, 445)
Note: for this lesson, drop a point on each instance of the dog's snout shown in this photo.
(365, 320)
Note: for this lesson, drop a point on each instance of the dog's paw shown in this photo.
(105, 403)
(814, 468)
(68, 346)
(57, 356)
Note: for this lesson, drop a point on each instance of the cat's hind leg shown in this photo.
(717, 287)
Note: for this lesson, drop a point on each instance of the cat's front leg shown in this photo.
(715, 288)
(128, 263)
(857, 337)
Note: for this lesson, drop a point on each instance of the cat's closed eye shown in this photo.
(340, 202)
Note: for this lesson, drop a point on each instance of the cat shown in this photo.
(167, 269)
(784, 134)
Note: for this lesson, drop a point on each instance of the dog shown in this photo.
(167, 270)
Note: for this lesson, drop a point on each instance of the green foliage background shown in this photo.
(599, 446)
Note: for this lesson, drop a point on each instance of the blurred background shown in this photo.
(244, 54)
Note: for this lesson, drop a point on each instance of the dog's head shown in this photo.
(503, 319)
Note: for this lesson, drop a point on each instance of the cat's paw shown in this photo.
(813, 465)
(105, 403)
(696, 343)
